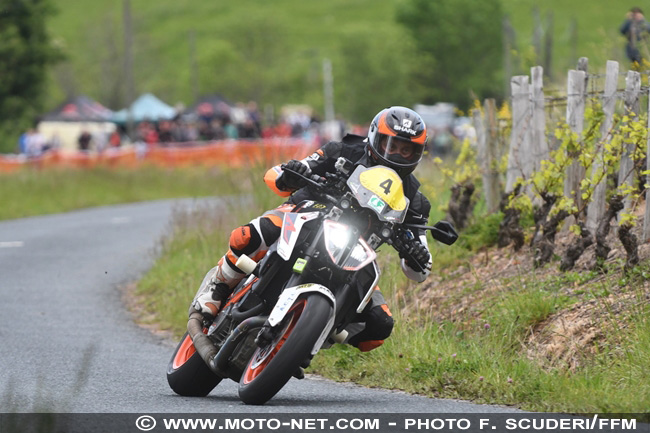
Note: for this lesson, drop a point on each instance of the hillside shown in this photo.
(235, 41)
(592, 311)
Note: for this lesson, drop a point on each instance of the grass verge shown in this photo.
(488, 359)
(37, 192)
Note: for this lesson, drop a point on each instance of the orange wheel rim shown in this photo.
(184, 352)
(262, 357)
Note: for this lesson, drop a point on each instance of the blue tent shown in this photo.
(146, 107)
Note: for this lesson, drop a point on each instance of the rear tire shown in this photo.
(271, 367)
(187, 373)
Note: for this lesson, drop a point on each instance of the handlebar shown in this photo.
(313, 179)
(316, 181)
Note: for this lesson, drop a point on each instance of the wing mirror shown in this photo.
(444, 231)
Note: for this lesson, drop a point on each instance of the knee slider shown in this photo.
(244, 240)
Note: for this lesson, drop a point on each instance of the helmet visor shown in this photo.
(399, 150)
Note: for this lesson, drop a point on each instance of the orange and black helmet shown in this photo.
(397, 138)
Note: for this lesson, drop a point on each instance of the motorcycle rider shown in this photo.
(396, 138)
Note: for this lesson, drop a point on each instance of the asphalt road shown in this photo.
(67, 343)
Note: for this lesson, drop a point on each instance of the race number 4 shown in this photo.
(386, 185)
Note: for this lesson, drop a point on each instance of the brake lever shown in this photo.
(442, 231)
(313, 180)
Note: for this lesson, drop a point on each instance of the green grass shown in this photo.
(489, 364)
(37, 192)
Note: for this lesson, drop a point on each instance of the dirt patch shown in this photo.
(566, 339)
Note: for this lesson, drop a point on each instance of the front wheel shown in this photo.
(271, 366)
(187, 373)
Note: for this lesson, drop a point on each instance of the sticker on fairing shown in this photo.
(377, 204)
(286, 300)
(291, 226)
(299, 266)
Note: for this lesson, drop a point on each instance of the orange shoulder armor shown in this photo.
(270, 177)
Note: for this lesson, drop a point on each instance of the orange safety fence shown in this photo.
(231, 153)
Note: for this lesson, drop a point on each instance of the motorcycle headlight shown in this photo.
(337, 238)
(361, 256)
(337, 243)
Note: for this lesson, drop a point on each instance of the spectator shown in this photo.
(53, 144)
(23, 140)
(205, 112)
(205, 131)
(84, 140)
(165, 134)
(147, 133)
(248, 129)
(255, 117)
(100, 139)
(218, 132)
(115, 140)
(35, 143)
(177, 131)
(635, 28)
(231, 130)
(151, 136)
(283, 130)
(190, 132)
(238, 114)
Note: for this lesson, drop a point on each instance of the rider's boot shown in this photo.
(210, 300)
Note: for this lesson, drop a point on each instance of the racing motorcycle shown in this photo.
(307, 292)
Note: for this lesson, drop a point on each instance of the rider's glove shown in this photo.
(414, 251)
(291, 181)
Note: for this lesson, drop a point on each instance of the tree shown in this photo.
(372, 74)
(251, 61)
(461, 48)
(26, 52)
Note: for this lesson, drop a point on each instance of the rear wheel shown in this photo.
(271, 366)
(187, 373)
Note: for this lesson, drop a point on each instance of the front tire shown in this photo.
(187, 373)
(271, 367)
